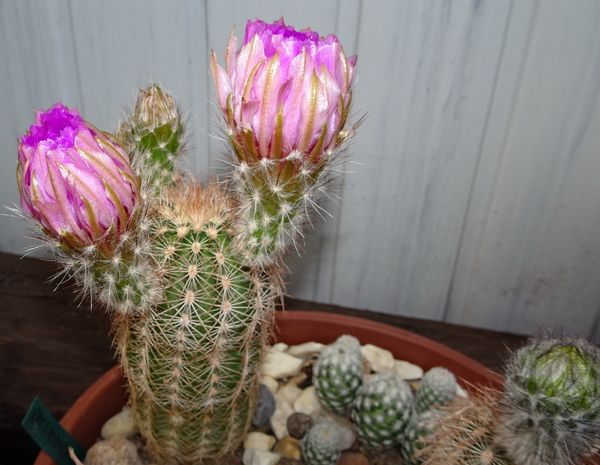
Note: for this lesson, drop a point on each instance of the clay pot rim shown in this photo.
(326, 327)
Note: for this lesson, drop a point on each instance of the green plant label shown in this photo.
(45, 430)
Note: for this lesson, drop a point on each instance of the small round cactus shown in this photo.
(419, 427)
(437, 388)
(382, 409)
(320, 445)
(551, 404)
(338, 374)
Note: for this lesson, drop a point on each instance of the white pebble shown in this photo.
(342, 426)
(121, 424)
(270, 382)
(408, 371)
(305, 350)
(278, 420)
(289, 393)
(281, 365)
(258, 440)
(280, 347)
(114, 451)
(259, 457)
(308, 401)
(460, 392)
(380, 360)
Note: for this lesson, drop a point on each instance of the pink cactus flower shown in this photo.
(285, 93)
(75, 181)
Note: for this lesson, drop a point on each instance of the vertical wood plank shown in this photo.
(38, 69)
(122, 46)
(538, 261)
(311, 273)
(427, 76)
(509, 74)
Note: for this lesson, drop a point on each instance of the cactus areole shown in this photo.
(191, 273)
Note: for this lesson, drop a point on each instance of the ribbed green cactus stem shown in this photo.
(153, 134)
(126, 283)
(276, 200)
(192, 363)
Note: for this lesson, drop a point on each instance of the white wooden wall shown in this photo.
(473, 194)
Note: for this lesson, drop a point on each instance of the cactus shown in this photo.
(320, 445)
(550, 411)
(382, 409)
(153, 135)
(419, 427)
(191, 273)
(437, 388)
(338, 374)
(463, 433)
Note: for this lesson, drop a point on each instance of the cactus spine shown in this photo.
(338, 374)
(463, 433)
(550, 411)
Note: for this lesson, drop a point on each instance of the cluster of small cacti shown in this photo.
(383, 406)
(547, 413)
(191, 273)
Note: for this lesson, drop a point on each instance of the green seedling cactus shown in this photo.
(338, 374)
(550, 410)
(437, 388)
(382, 410)
(320, 446)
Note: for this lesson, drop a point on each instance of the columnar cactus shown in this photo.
(338, 374)
(550, 411)
(191, 273)
(382, 409)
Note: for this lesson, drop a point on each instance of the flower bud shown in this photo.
(75, 181)
(285, 93)
(155, 108)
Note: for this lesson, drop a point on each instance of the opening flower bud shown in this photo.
(285, 93)
(75, 180)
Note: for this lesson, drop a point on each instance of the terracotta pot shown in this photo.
(106, 396)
